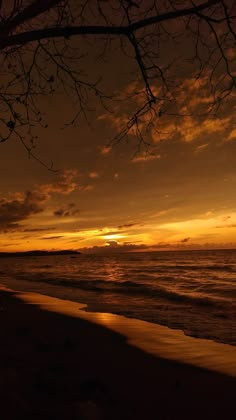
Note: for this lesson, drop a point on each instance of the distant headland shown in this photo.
(38, 253)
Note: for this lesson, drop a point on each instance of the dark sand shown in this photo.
(54, 366)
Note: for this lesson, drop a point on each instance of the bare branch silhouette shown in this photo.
(45, 48)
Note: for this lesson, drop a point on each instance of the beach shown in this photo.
(56, 365)
(190, 291)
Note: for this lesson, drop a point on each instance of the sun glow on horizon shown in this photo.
(206, 229)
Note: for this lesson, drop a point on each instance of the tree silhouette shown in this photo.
(171, 44)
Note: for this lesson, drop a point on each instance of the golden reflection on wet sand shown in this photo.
(155, 339)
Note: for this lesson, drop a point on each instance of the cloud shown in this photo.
(69, 210)
(10, 227)
(52, 237)
(145, 157)
(113, 247)
(188, 119)
(14, 210)
(183, 241)
(105, 150)
(38, 229)
(225, 218)
(93, 175)
(161, 245)
(113, 244)
(66, 183)
(191, 129)
(85, 188)
(18, 206)
(232, 135)
(127, 225)
(109, 233)
(201, 147)
(232, 225)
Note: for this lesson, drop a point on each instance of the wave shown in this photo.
(212, 267)
(129, 287)
(45, 266)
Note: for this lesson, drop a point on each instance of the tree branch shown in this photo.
(68, 31)
(32, 10)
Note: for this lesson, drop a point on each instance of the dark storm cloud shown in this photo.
(69, 210)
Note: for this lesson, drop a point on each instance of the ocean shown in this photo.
(194, 291)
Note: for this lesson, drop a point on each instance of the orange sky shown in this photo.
(180, 193)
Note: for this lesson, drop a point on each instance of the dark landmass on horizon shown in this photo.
(38, 253)
(109, 251)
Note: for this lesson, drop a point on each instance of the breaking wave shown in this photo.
(129, 287)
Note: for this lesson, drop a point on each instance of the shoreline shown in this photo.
(55, 365)
(62, 292)
(158, 340)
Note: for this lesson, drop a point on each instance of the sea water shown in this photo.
(194, 291)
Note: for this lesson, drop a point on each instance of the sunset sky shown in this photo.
(177, 194)
(181, 193)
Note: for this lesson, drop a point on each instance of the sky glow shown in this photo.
(176, 191)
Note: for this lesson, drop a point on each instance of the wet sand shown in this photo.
(59, 366)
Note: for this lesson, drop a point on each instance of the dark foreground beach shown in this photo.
(55, 366)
